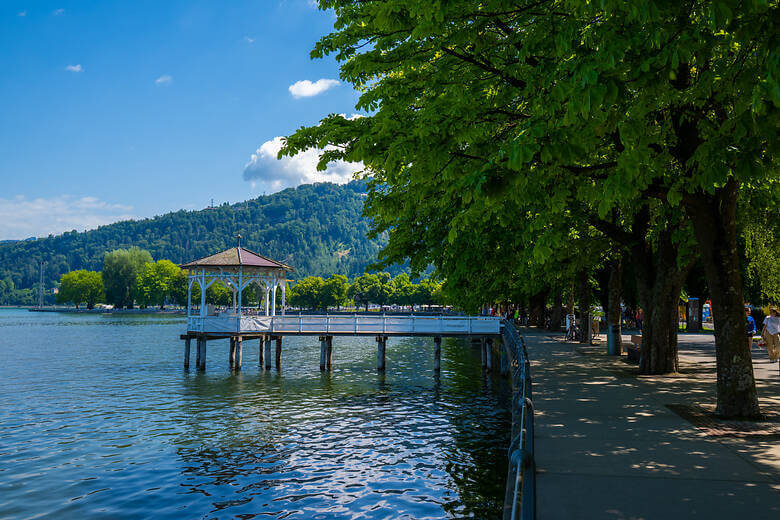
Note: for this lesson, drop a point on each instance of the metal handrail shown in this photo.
(521, 479)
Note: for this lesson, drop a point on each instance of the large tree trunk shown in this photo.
(613, 303)
(659, 281)
(715, 225)
(538, 303)
(556, 316)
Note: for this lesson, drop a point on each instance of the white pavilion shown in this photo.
(236, 268)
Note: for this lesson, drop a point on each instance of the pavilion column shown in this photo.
(273, 297)
(267, 291)
(240, 290)
(284, 305)
(189, 297)
(202, 284)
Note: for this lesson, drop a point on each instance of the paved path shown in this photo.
(609, 447)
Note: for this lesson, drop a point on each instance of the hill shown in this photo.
(316, 228)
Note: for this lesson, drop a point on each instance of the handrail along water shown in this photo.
(520, 501)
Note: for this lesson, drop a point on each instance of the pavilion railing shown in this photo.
(520, 498)
(347, 324)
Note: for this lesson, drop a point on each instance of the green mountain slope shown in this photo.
(316, 228)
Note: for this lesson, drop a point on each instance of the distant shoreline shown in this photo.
(73, 310)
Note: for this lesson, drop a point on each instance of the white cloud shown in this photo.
(22, 218)
(273, 174)
(306, 88)
(74, 68)
(21, 13)
(58, 12)
(165, 79)
(249, 40)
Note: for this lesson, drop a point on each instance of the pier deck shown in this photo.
(342, 325)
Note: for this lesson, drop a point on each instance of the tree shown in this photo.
(307, 293)
(403, 290)
(120, 270)
(612, 108)
(81, 287)
(333, 292)
(156, 282)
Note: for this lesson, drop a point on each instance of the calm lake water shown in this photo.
(98, 420)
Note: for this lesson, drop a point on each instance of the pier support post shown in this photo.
(261, 352)
(323, 352)
(201, 353)
(238, 342)
(504, 359)
(489, 355)
(329, 353)
(187, 345)
(278, 353)
(483, 351)
(267, 341)
(380, 355)
(232, 357)
(437, 353)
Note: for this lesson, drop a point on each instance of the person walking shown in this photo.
(771, 334)
(751, 327)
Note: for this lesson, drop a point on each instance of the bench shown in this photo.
(634, 349)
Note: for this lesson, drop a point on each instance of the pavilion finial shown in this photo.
(239, 239)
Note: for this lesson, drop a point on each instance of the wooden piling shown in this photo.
(278, 353)
(483, 351)
(489, 355)
(202, 353)
(238, 353)
(187, 345)
(380, 355)
(323, 352)
(437, 353)
(261, 351)
(329, 353)
(198, 353)
(504, 358)
(232, 356)
(267, 341)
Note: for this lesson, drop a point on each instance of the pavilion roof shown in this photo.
(236, 257)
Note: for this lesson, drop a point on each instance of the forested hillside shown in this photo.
(316, 228)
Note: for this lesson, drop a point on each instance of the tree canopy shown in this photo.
(81, 286)
(491, 120)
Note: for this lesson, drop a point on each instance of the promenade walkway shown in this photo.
(612, 444)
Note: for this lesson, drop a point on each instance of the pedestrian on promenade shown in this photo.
(751, 327)
(640, 317)
(771, 334)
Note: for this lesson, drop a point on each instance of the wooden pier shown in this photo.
(237, 268)
(269, 330)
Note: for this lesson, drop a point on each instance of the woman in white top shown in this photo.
(771, 334)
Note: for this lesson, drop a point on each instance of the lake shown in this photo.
(99, 420)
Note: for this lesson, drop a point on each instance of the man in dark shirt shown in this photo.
(751, 327)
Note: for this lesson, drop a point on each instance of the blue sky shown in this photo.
(116, 109)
